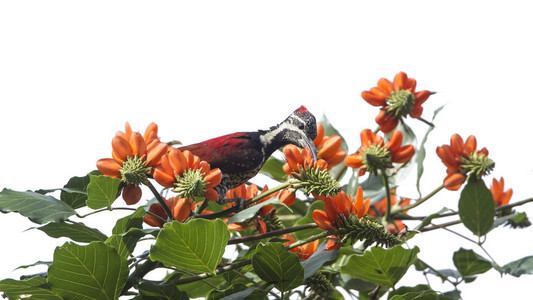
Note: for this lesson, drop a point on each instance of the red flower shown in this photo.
(379, 208)
(303, 251)
(374, 154)
(397, 99)
(462, 158)
(188, 175)
(134, 156)
(180, 208)
(329, 147)
(500, 196)
(297, 160)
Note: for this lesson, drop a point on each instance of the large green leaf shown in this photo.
(419, 292)
(196, 246)
(519, 267)
(94, 271)
(34, 286)
(273, 169)
(76, 195)
(469, 263)
(102, 191)
(274, 264)
(125, 243)
(76, 231)
(476, 207)
(241, 292)
(381, 266)
(135, 220)
(38, 208)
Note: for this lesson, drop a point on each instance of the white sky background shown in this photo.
(72, 73)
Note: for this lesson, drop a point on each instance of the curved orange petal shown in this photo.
(456, 144)
(330, 147)
(262, 226)
(289, 238)
(358, 200)
(237, 226)
(181, 209)
(319, 134)
(395, 141)
(411, 85)
(470, 145)
(109, 167)
(454, 181)
(155, 153)
(444, 152)
(321, 219)
(421, 97)
(404, 154)
(364, 209)
(385, 85)
(416, 112)
(386, 121)
(293, 157)
(287, 197)
(213, 177)
(163, 178)
(379, 92)
(204, 167)
(252, 191)
(400, 82)
(373, 99)
(354, 160)
(367, 137)
(331, 209)
(336, 158)
(177, 161)
(151, 132)
(125, 135)
(138, 145)
(121, 148)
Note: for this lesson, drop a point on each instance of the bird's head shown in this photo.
(298, 129)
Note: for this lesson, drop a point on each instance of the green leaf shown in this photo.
(318, 259)
(201, 288)
(38, 208)
(273, 168)
(153, 291)
(241, 292)
(251, 211)
(421, 153)
(427, 220)
(76, 231)
(125, 243)
(102, 191)
(469, 263)
(274, 264)
(307, 219)
(34, 286)
(381, 266)
(76, 195)
(37, 263)
(476, 207)
(135, 220)
(196, 246)
(421, 291)
(87, 272)
(519, 267)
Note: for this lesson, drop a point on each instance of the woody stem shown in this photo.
(271, 233)
(159, 198)
(308, 240)
(267, 193)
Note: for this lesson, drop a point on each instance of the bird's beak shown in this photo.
(309, 144)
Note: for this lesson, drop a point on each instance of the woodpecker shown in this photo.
(240, 155)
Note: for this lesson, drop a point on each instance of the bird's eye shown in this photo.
(301, 126)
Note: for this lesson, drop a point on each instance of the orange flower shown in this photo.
(180, 208)
(265, 215)
(297, 160)
(379, 208)
(329, 147)
(338, 208)
(398, 99)
(133, 158)
(303, 251)
(189, 175)
(462, 158)
(500, 196)
(374, 154)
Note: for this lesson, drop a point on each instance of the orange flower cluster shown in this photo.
(177, 166)
(303, 251)
(461, 158)
(134, 156)
(397, 99)
(379, 208)
(500, 196)
(329, 147)
(266, 212)
(374, 154)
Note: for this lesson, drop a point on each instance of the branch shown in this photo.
(271, 233)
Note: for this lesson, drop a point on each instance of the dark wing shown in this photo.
(232, 153)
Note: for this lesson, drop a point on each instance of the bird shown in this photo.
(240, 155)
